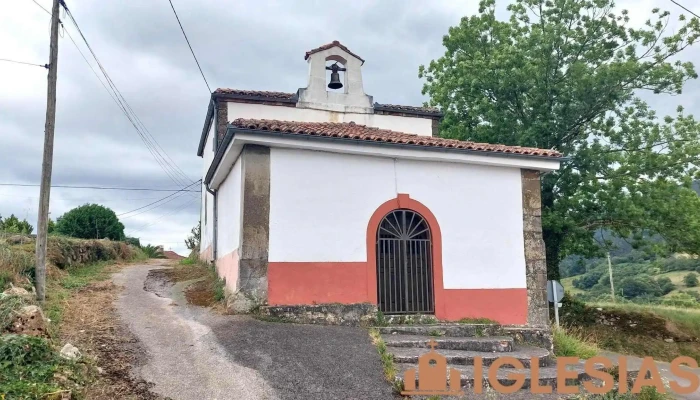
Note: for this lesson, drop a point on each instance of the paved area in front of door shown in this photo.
(196, 354)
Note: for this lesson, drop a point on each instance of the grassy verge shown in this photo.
(387, 360)
(572, 343)
(208, 290)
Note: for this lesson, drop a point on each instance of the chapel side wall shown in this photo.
(321, 203)
(418, 126)
(207, 204)
(229, 218)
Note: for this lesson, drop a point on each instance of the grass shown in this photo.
(573, 343)
(687, 319)
(59, 290)
(387, 360)
(31, 369)
(208, 291)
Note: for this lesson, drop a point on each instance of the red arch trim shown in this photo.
(403, 201)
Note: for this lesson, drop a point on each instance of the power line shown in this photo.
(25, 63)
(141, 228)
(100, 187)
(159, 154)
(42, 7)
(189, 45)
(686, 9)
(162, 162)
(157, 201)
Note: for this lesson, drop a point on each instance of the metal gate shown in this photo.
(404, 264)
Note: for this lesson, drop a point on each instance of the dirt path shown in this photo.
(193, 353)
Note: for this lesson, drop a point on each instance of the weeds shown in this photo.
(571, 343)
(8, 305)
(435, 333)
(387, 361)
(31, 368)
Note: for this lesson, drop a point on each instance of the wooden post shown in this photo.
(47, 163)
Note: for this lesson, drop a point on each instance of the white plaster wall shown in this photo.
(228, 236)
(207, 233)
(418, 126)
(321, 203)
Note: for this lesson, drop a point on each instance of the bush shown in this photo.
(681, 300)
(638, 286)
(90, 221)
(587, 280)
(133, 241)
(690, 280)
(665, 286)
(574, 312)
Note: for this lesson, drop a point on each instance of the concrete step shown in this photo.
(483, 344)
(546, 376)
(524, 354)
(451, 330)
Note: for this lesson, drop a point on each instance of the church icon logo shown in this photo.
(432, 376)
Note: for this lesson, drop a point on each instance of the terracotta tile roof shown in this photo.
(365, 133)
(255, 93)
(399, 108)
(330, 45)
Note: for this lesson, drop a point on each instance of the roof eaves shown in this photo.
(236, 129)
(207, 126)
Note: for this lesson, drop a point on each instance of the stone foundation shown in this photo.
(325, 314)
(535, 264)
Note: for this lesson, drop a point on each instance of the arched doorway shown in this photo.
(404, 264)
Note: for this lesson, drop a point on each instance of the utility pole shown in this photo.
(612, 286)
(47, 163)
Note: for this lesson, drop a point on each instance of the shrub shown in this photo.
(637, 286)
(690, 280)
(90, 221)
(574, 312)
(681, 300)
(665, 286)
(134, 241)
(587, 280)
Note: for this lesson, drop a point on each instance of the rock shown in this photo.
(19, 239)
(100, 370)
(29, 320)
(70, 352)
(17, 291)
(669, 340)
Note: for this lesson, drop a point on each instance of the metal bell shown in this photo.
(335, 77)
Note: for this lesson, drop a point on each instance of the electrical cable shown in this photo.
(189, 45)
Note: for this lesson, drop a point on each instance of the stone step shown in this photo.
(547, 376)
(484, 344)
(524, 354)
(452, 330)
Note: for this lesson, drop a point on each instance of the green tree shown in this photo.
(12, 224)
(690, 280)
(51, 226)
(565, 75)
(90, 221)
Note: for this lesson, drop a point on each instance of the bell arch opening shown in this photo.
(404, 264)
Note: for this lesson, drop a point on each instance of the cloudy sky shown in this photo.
(240, 44)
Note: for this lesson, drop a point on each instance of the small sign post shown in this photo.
(555, 292)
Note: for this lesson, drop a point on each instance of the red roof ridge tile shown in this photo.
(352, 130)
